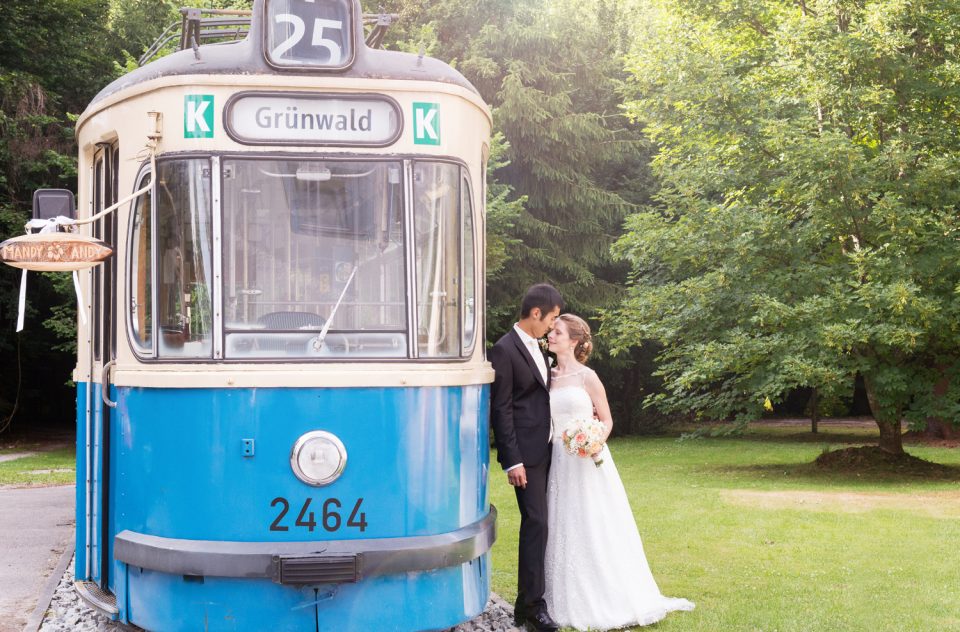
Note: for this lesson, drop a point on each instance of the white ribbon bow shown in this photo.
(47, 226)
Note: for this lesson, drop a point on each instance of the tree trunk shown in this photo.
(891, 433)
(938, 428)
(891, 436)
(814, 410)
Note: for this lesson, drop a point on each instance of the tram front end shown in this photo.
(282, 390)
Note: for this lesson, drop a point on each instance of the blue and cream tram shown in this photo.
(282, 392)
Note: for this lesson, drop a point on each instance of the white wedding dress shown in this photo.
(596, 572)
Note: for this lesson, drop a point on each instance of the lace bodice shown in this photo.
(568, 399)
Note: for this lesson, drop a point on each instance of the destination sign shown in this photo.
(308, 34)
(312, 119)
(53, 252)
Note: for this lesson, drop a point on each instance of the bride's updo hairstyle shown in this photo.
(579, 330)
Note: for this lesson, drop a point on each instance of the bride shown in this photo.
(597, 576)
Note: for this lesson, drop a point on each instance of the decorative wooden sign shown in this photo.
(53, 252)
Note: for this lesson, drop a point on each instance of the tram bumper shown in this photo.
(313, 562)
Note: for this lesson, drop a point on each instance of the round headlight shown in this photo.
(318, 458)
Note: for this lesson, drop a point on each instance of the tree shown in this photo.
(54, 56)
(572, 152)
(807, 225)
(551, 72)
(573, 164)
(138, 23)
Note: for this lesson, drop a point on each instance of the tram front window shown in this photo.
(185, 259)
(307, 242)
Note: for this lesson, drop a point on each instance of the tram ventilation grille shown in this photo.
(319, 570)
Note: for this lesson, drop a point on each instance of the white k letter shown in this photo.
(425, 124)
(195, 118)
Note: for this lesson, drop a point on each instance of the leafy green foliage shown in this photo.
(573, 165)
(806, 229)
(551, 73)
(138, 23)
(502, 213)
(565, 166)
(54, 56)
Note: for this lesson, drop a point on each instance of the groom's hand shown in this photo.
(518, 477)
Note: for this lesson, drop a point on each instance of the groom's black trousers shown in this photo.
(532, 501)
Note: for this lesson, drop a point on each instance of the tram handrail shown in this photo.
(193, 20)
(191, 31)
(105, 384)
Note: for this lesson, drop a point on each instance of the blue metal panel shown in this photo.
(89, 483)
(417, 457)
(414, 601)
(80, 570)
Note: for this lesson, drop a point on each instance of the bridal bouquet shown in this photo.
(584, 437)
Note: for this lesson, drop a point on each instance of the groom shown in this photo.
(520, 415)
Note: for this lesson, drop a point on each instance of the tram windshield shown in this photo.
(307, 242)
(304, 258)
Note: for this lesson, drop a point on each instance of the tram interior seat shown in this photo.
(291, 320)
(286, 321)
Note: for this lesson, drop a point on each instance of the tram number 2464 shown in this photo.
(331, 517)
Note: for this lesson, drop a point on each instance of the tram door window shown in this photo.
(437, 252)
(184, 260)
(469, 267)
(141, 273)
(105, 193)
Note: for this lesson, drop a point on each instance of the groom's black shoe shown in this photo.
(540, 622)
(518, 617)
(520, 612)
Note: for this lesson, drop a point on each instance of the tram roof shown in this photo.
(245, 57)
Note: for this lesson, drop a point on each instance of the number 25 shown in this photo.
(300, 29)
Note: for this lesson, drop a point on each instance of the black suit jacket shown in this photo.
(520, 404)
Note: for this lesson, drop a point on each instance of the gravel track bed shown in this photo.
(68, 613)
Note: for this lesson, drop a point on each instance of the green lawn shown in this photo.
(55, 467)
(762, 541)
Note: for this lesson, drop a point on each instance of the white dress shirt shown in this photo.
(533, 348)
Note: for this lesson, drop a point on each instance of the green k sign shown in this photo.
(198, 116)
(426, 123)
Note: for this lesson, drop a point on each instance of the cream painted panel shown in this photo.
(298, 376)
(465, 121)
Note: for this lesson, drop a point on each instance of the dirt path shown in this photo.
(36, 525)
(15, 455)
(932, 504)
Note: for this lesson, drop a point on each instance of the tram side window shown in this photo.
(141, 271)
(311, 241)
(469, 266)
(437, 253)
(184, 259)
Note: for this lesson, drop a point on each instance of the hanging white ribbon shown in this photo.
(46, 226)
(81, 308)
(53, 224)
(23, 301)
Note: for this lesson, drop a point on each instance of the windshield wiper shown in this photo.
(318, 341)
